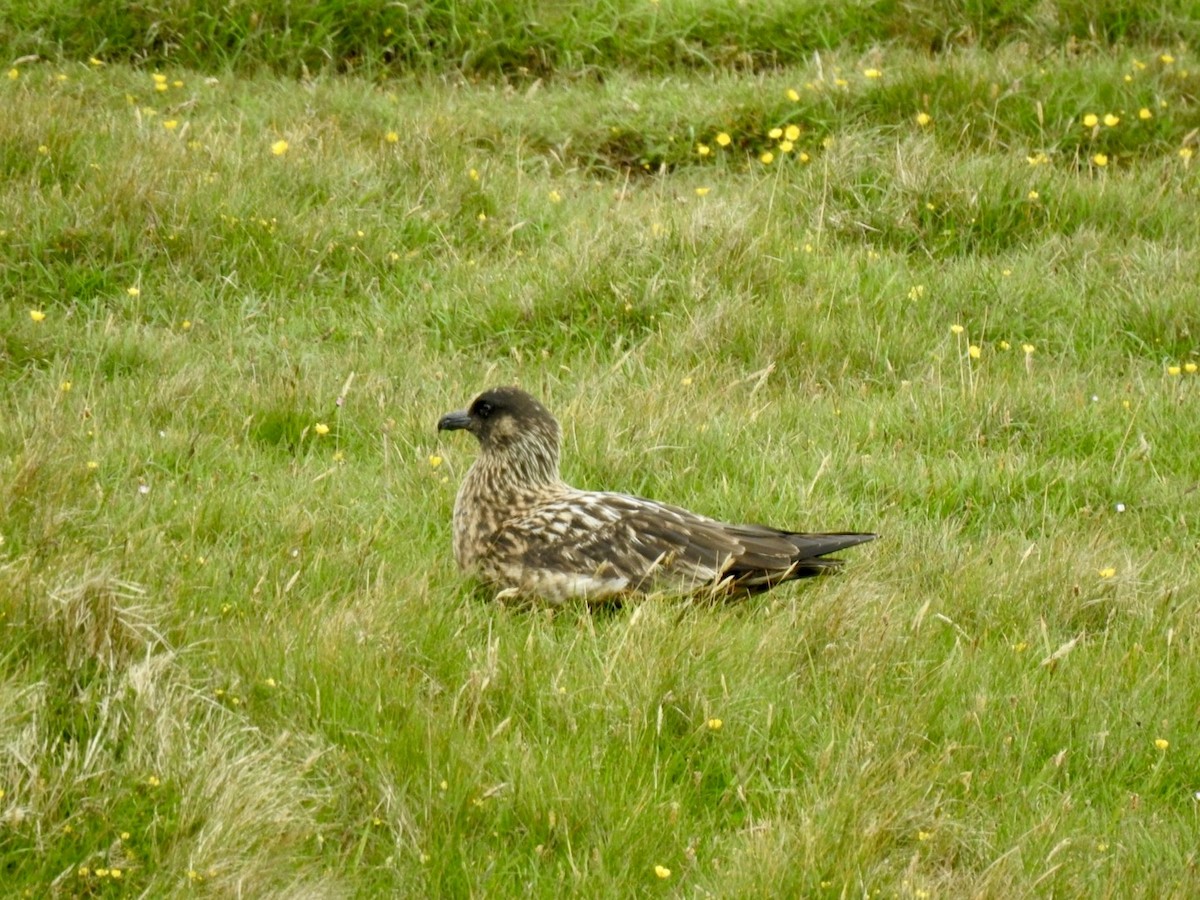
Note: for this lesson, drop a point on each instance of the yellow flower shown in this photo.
(702, 191)
(1027, 348)
(767, 157)
(133, 290)
(1090, 120)
(37, 315)
(153, 781)
(1033, 195)
(555, 197)
(186, 324)
(804, 157)
(95, 62)
(159, 78)
(92, 465)
(1038, 159)
(723, 139)
(1100, 159)
(14, 74)
(1186, 152)
(391, 137)
(1144, 114)
(473, 174)
(171, 124)
(1167, 58)
(924, 835)
(924, 118)
(786, 146)
(715, 724)
(974, 351)
(435, 461)
(792, 132)
(662, 871)
(64, 386)
(775, 134)
(115, 873)
(1174, 370)
(1004, 345)
(84, 871)
(703, 149)
(1162, 743)
(1108, 572)
(872, 73)
(956, 328)
(793, 95)
(321, 428)
(1190, 368)
(1111, 121)
(279, 147)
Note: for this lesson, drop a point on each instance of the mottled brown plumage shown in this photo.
(520, 527)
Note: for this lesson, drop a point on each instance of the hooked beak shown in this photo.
(454, 421)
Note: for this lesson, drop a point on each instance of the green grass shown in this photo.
(236, 656)
(543, 38)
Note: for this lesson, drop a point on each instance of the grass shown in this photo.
(236, 655)
(543, 38)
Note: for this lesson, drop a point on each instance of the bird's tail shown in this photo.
(811, 546)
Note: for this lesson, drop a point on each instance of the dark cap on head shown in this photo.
(501, 416)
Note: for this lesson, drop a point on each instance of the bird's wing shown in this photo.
(621, 540)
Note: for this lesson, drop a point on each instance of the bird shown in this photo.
(520, 528)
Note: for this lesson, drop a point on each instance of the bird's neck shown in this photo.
(499, 485)
(518, 468)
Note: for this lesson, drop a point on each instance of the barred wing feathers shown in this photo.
(600, 544)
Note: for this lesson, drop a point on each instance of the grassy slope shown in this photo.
(237, 656)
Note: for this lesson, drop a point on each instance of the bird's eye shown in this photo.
(483, 410)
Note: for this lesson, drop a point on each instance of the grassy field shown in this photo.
(939, 286)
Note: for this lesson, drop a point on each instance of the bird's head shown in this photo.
(508, 421)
